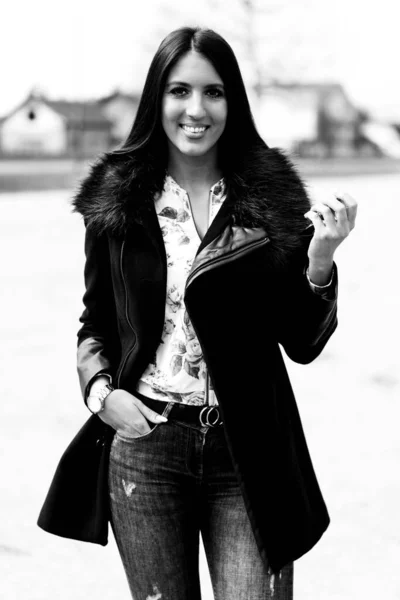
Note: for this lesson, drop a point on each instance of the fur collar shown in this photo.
(266, 192)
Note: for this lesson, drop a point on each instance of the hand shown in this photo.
(126, 413)
(333, 220)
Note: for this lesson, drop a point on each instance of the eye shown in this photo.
(215, 93)
(178, 91)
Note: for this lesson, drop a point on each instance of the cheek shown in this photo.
(221, 114)
(169, 113)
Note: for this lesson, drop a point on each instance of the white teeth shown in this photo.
(193, 129)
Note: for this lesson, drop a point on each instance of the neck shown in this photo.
(194, 171)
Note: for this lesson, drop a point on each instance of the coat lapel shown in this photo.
(152, 229)
(222, 219)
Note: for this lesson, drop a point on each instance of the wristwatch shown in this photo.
(95, 402)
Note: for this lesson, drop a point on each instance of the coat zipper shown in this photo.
(127, 317)
(217, 262)
(213, 263)
(207, 391)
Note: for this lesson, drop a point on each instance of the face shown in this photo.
(194, 107)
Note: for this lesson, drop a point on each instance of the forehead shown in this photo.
(193, 68)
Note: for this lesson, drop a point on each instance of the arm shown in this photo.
(306, 319)
(99, 347)
(97, 338)
(310, 314)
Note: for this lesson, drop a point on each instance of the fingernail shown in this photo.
(161, 418)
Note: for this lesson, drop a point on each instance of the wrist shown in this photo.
(99, 383)
(320, 273)
(97, 397)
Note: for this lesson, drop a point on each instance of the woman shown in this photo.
(202, 255)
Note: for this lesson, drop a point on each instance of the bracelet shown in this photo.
(319, 287)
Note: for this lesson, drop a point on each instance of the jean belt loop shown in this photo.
(167, 409)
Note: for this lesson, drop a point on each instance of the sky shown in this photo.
(86, 48)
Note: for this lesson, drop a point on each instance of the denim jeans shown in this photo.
(166, 488)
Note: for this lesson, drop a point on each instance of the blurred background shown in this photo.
(321, 77)
(323, 82)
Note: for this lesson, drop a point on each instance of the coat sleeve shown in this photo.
(97, 338)
(306, 320)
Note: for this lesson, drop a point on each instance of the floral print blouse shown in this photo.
(178, 372)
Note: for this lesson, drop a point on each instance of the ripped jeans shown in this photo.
(168, 486)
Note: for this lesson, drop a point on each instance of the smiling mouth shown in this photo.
(191, 129)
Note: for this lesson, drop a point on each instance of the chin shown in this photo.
(195, 151)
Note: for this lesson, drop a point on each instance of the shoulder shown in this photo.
(270, 193)
(269, 180)
(117, 191)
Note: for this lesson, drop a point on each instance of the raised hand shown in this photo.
(333, 219)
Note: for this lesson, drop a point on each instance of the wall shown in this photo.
(34, 129)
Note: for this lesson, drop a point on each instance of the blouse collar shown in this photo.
(218, 189)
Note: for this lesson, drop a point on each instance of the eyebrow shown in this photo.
(185, 84)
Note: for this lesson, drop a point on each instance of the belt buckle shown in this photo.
(206, 415)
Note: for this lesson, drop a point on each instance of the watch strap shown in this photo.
(101, 395)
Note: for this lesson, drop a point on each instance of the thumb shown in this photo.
(315, 220)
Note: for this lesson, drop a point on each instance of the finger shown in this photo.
(340, 212)
(151, 415)
(326, 213)
(139, 425)
(316, 221)
(346, 198)
(351, 206)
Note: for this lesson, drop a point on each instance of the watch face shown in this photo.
(94, 404)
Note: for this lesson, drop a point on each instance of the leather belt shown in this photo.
(204, 415)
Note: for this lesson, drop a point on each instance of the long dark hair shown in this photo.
(146, 143)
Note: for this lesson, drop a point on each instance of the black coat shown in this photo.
(246, 294)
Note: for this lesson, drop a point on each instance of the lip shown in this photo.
(194, 135)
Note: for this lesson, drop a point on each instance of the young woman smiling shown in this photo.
(200, 262)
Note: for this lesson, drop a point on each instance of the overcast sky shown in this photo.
(86, 48)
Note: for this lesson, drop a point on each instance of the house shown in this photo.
(385, 136)
(312, 119)
(62, 128)
(59, 128)
(120, 109)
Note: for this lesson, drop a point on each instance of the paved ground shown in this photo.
(348, 399)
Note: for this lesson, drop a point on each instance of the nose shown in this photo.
(195, 106)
